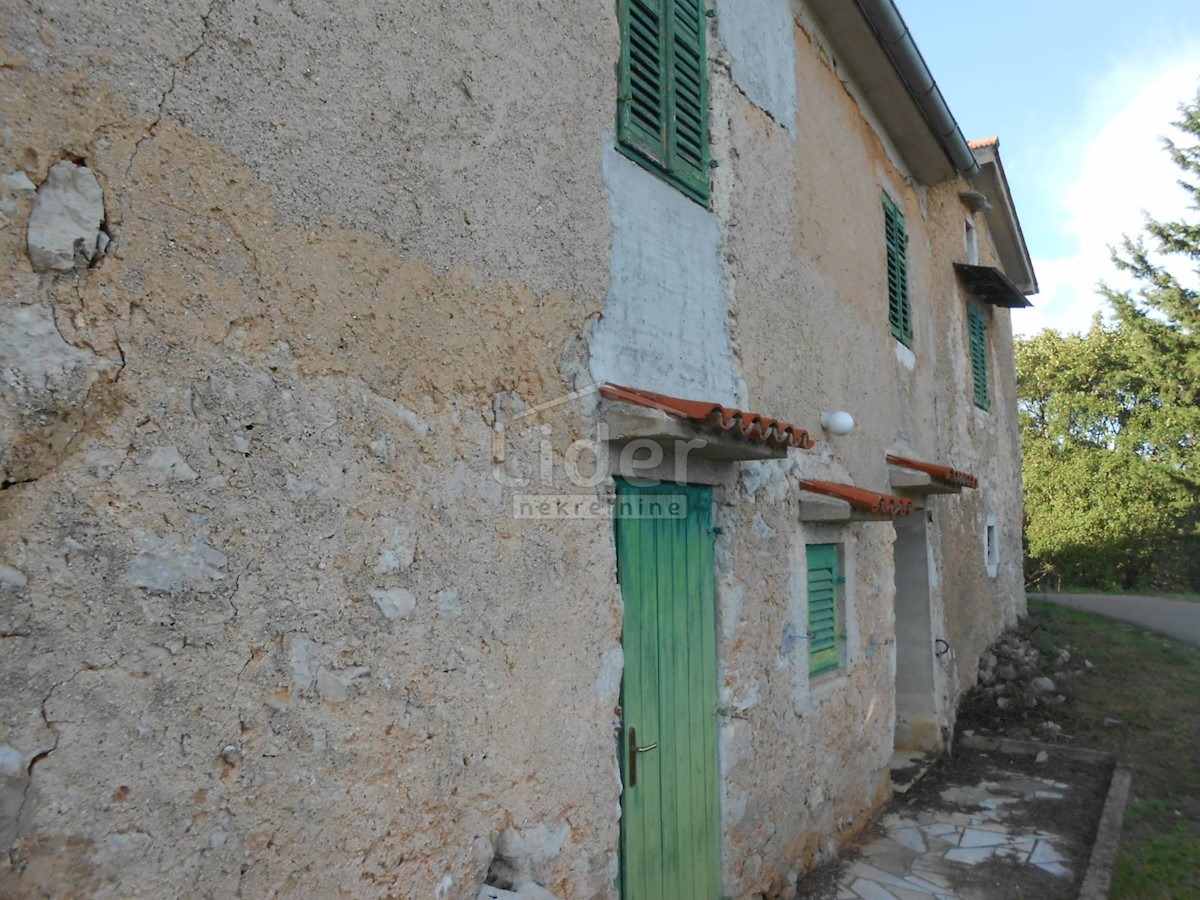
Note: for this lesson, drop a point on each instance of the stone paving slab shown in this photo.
(982, 837)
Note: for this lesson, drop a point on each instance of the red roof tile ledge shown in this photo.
(944, 474)
(715, 416)
(862, 499)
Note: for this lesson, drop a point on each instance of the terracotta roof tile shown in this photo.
(707, 414)
(861, 498)
(993, 141)
(933, 470)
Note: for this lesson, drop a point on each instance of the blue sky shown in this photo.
(1079, 94)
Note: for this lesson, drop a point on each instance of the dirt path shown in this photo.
(1179, 619)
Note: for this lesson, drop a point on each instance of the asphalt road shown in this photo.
(1179, 619)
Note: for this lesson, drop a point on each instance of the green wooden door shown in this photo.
(670, 826)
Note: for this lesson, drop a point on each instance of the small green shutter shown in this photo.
(822, 608)
(896, 240)
(977, 326)
(662, 111)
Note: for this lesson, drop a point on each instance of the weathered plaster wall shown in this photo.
(665, 326)
(433, 139)
(804, 763)
(757, 35)
(977, 604)
(268, 622)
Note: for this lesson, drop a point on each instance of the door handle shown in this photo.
(634, 750)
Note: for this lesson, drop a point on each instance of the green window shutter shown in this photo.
(896, 241)
(641, 111)
(977, 326)
(662, 113)
(822, 608)
(688, 97)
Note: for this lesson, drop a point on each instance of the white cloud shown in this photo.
(1122, 170)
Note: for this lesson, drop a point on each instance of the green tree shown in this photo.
(1099, 511)
(1110, 420)
(1160, 318)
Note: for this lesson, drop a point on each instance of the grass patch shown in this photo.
(1141, 703)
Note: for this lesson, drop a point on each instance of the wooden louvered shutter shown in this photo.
(896, 239)
(662, 114)
(687, 97)
(979, 368)
(822, 608)
(641, 113)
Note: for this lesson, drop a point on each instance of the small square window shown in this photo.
(972, 240)
(991, 550)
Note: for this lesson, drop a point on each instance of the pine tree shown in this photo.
(1159, 320)
(1110, 419)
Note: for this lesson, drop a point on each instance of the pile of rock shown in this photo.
(1015, 676)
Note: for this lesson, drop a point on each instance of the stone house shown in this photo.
(423, 444)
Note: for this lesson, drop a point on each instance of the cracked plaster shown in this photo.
(221, 501)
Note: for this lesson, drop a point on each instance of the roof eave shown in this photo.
(874, 46)
(1002, 219)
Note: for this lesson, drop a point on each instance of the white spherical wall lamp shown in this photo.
(837, 423)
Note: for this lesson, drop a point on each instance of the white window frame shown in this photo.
(991, 547)
(971, 236)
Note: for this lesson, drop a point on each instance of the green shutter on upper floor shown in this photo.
(823, 628)
(641, 112)
(977, 328)
(896, 244)
(662, 108)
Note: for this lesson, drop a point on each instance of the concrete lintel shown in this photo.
(626, 423)
(921, 483)
(837, 511)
